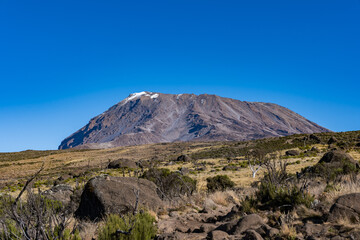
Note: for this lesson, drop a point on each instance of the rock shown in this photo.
(183, 158)
(104, 194)
(169, 163)
(237, 227)
(315, 138)
(252, 235)
(314, 230)
(209, 206)
(184, 171)
(358, 144)
(230, 168)
(218, 235)
(122, 163)
(346, 207)
(336, 159)
(314, 149)
(335, 156)
(61, 192)
(332, 140)
(292, 153)
(203, 168)
(143, 163)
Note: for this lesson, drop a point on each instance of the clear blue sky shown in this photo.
(64, 62)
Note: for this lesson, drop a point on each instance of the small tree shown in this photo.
(256, 158)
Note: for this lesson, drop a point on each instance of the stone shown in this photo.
(122, 163)
(183, 158)
(60, 192)
(237, 227)
(104, 194)
(218, 235)
(252, 235)
(346, 207)
(292, 153)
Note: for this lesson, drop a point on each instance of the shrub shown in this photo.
(283, 197)
(170, 184)
(144, 227)
(219, 183)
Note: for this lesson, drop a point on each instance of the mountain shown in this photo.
(148, 117)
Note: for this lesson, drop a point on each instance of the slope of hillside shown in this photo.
(148, 117)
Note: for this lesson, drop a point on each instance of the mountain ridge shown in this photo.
(151, 117)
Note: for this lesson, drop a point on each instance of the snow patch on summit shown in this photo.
(139, 94)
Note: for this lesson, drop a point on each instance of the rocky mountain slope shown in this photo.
(148, 117)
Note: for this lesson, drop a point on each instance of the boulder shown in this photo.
(252, 235)
(346, 207)
(315, 149)
(230, 168)
(292, 153)
(237, 227)
(104, 194)
(332, 140)
(337, 158)
(122, 163)
(60, 192)
(218, 235)
(315, 138)
(183, 158)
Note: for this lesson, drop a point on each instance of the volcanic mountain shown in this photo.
(148, 117)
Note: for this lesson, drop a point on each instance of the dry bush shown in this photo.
(224, 198)
(342, 188)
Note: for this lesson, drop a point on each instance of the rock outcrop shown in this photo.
(103, 195)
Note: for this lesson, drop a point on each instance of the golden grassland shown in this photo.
(95, 161)
(15, 168)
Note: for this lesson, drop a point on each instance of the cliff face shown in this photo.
(155, 117)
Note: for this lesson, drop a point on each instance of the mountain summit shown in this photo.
(148, 117)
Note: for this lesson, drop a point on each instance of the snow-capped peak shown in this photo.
(139, 94)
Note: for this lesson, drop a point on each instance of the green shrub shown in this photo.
(144, 227)
(219, 183)
(170, 184)
(281, 196)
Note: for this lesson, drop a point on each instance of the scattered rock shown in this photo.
(122, 163)
(237, 227)
(292, 153)
(332, 140)
(337, 159)
(315, 149)
(183, 158)
(209, 206)
(230, 168)
(184, 171)
(105, 194)
(346, 207)
(218, 235)
(252, 235)
(61, 192)
(315, 138)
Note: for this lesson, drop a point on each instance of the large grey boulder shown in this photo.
(104, 194)
(346, 207)
(292, 153)
(122, 163)
(237, 227)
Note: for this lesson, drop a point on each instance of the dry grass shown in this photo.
(224, 198)
(19, 166)
(345, 187)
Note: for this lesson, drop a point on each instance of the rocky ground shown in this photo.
(310, 192)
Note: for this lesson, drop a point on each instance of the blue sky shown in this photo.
(64, 62)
